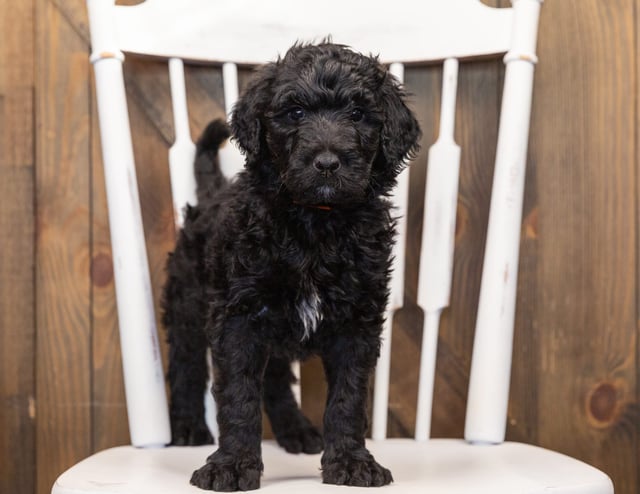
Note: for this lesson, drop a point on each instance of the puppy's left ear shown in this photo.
(400, 129)
(246, 124)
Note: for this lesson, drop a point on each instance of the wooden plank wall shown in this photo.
(17, 225)
(576, 368)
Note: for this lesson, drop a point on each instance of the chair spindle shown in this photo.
(396, 296)
(143, 375)
(231, 158)
(437, 247)
(486, 418)
(183, 150)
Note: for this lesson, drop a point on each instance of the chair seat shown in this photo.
(444, 466)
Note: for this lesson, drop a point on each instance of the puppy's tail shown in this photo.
(209, 177)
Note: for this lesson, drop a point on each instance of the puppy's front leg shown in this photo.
(239, 363)
(348, 362)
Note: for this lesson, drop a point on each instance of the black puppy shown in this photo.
(290, 259)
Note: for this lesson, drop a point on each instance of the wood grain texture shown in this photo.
(636, 88)
(584, 149)
(18, 43)
(635, 482)
(576, 356)
(17, 250)
(16, 83)
(17, 332)
(63, 260)
(16, 132)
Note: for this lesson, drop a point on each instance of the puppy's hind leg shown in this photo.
(188, 372)
(292, 429)
(188, 382)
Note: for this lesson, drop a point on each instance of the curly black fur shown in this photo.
(290, 259)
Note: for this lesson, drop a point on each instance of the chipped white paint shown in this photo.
(491, 361)
(143, 374)
(400, 31)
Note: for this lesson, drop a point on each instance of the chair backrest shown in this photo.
(252, 32)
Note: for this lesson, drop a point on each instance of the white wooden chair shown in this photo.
(252, 32)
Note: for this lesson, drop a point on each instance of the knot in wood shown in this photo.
(101, 270)
(603, 405)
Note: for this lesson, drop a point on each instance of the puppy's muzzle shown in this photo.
(326, 162)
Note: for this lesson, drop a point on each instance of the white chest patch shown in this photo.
(308, 307)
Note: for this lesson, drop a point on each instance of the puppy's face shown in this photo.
(323, 131)
(332, 122)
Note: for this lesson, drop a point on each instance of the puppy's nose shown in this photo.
(326, 162)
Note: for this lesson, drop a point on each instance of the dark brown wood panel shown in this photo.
(636, 451)
(17, 331)
(63, 246)
(583, 148)
(17, 322)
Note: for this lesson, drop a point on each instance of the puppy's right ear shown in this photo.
(246, 124)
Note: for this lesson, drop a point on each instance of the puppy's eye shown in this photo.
(296, 114)
(356, 115)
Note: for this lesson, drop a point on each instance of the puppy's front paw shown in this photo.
(305, 439)
(357, 468)
(224, 473)
(188, 432)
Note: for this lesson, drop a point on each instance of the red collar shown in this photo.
(315, 206)
(321, 206)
